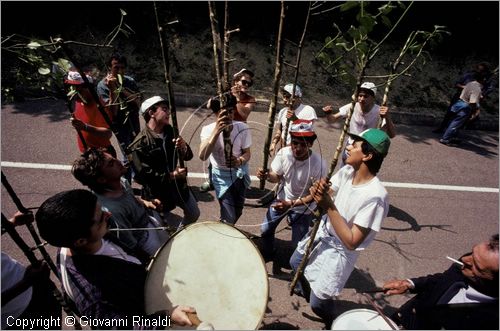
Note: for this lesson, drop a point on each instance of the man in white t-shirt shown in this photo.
(294, 109)
(366, 113)
(230, 177)
(295, 167)
(350, 223)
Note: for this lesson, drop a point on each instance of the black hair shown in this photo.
(375, 162)
(493, 246)
(118, 57)
(66, 217)
(86, 168)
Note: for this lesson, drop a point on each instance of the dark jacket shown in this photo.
(153, 158)
(423, 313)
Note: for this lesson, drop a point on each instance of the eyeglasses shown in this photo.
(246, 82)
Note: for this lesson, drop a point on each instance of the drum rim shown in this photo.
(202, 223)
(364, 310)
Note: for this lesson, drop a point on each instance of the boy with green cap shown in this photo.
(350, 222)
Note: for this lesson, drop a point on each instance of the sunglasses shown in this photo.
(246, 82)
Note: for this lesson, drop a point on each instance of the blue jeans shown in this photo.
(462, 111)
(190, 209)
(232, 201)
(324, 308)
(298, 221)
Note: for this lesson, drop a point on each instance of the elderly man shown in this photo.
(463, 297)
(154, 154)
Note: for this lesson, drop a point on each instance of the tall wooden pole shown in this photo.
(276, 88)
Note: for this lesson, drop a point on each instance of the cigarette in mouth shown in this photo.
(456, 261)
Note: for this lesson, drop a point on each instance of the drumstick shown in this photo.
(193, 317)
(377, 290)
(381, 313)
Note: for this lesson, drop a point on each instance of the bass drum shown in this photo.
(216, 269)
(362, 319)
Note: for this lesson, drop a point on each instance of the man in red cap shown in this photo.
(86, 117)
(295, 167)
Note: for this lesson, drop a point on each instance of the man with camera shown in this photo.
(226, 144)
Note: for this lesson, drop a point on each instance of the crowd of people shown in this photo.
(102, 265)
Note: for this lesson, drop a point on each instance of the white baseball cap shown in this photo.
(369, 86)
(150, 102)
(74, 78)
(289, 88)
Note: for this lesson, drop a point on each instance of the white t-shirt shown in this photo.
(331, 263)
(303, 112)
(12, 273)
(297, 174)
(361, 121)
(240, 137)
(365, 205)
(471, 92)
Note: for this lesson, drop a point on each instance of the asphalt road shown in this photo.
(443, 199)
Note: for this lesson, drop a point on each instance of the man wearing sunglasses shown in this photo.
(242, 81)
(245, 103)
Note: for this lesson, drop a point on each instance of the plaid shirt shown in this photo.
(88, 298)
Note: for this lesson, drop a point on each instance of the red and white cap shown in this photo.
(302, 128)
(74, 78)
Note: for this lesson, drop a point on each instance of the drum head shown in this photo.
(362, 319)
(214, 268)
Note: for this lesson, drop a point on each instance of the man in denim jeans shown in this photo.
(467, 107)
(295, 167)
(229, 176)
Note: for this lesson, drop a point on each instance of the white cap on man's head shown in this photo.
(289, 88)
(150, 102)
(370, 87)
(244, 71)
(74, 78)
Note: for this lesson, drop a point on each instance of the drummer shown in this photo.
(295, 167)
(103, 280)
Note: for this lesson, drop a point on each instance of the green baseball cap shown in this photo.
(377, 138)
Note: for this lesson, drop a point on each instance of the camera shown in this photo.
(228, 99)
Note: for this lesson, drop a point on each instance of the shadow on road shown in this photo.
(483, 143)
(54, 109)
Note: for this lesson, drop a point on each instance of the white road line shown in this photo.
(25, 165)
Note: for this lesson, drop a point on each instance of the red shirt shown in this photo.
(89, 114)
